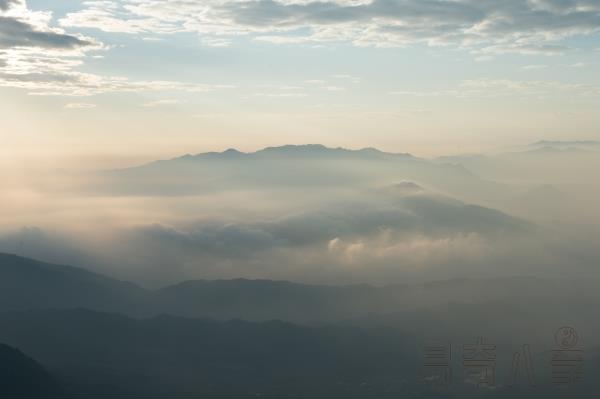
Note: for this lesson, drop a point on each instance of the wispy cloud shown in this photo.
(347, 77)
(208, 116)
(490, 88)
(579, 65)
(535, 67)
(52, 82)
(80, 105)
(293, 94)
(158, 103)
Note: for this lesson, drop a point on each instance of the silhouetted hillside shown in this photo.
(23, 378)
(104, 355)
(173, 357)
(30, 284)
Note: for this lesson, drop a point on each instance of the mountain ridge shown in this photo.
(252, 300)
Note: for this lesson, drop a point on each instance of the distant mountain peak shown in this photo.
(565, 142)
(294, 150)
(322, 150)
(371, 150)
(406, 187)
(557, 150)
(298, 149)
(287, 150)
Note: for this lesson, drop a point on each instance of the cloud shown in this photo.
(21, 27)
(524, 49)
(43, 59)
(6, 4)
(15, 33)
(527, 27)
(209, 116)
(493, 88)
(421, 250)
(401, 214)
(36, 55)
(158, 103)
(332, 88)
(80, 106)
(50, 81)
(294, 94)
(384, 236)
(535, 67)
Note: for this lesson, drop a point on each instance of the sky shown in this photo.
(118, 82)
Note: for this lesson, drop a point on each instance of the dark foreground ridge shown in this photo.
(103, 338)
(23, 378)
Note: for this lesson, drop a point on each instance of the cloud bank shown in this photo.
(520, 26)
(388, 238)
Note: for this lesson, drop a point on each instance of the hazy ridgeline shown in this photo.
(334, 268)
(312, 214)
